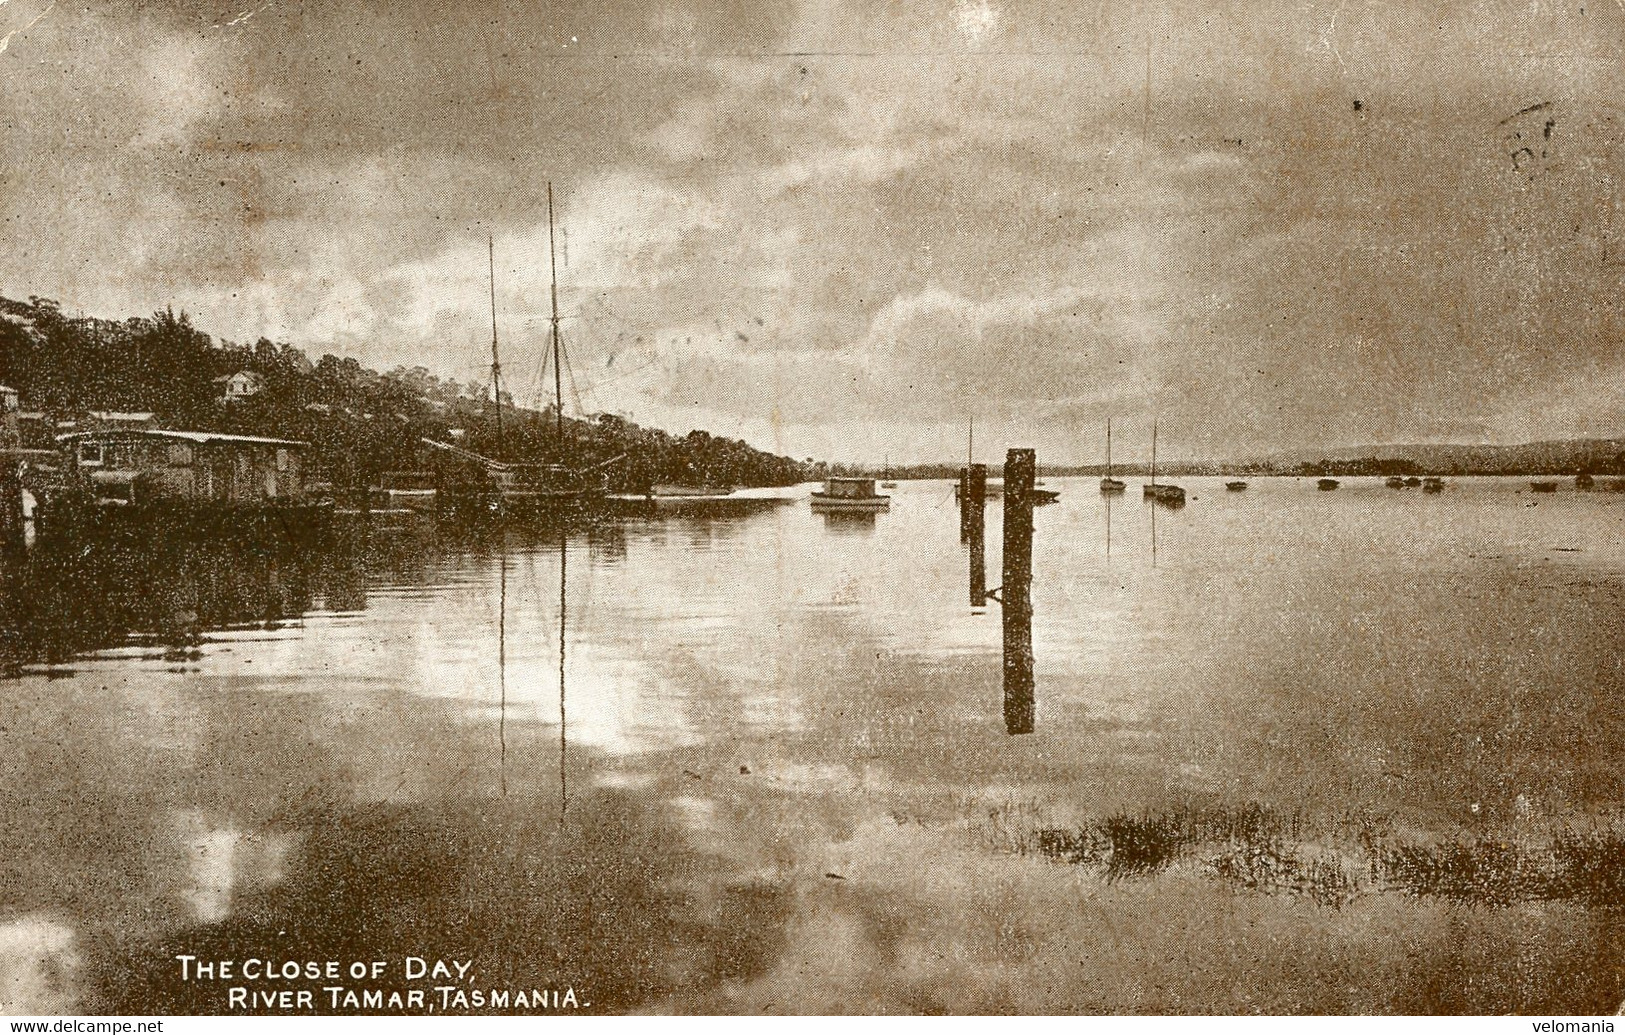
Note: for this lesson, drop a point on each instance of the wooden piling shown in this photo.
(964, 504)
(976, 497)
(1020, 472)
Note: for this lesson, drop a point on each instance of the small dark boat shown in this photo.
(1170, 495)
(1042, 497)
(1584, 481)
(1326, 484)
(1412, 482)
(1235, 486)
(1395, 482)
(1432, 484)
(1542, 486)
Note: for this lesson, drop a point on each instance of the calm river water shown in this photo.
(781, 782)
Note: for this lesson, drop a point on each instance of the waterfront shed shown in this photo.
(203, 467)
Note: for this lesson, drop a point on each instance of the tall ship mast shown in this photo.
(558, 377)
(496, 360)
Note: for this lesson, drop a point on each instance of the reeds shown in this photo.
(1255, 849)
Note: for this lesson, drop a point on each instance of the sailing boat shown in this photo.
(1172, 495)
(526, 487)
(1108, 484)
(885, 476)
(994, 488)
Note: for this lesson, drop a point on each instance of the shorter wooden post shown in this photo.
(977, 498)
(1020, 472)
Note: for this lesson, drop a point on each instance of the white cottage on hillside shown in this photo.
(241, 385)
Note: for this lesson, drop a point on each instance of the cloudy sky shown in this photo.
(840, 229)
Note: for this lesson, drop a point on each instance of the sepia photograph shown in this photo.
(809, 507)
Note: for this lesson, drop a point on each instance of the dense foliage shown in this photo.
(359, 422)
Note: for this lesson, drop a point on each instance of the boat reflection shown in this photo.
(849, 522)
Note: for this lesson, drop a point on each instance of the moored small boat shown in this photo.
(1542, 486)
(1327, 484)
(1395, 482)
(849, 494)
(1235, 486)
(1110, 486)
(1169, 495)
(666, 491)
(1432, 484)
(406, 490)
(1412, 482)
(1584, 481)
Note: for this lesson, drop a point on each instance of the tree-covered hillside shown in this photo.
(358, 421)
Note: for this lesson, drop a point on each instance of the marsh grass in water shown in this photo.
(1256, 849)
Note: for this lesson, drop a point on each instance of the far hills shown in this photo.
(1556, 457)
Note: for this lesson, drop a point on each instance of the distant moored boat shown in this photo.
(1170, 495)
(1235, 486)
(1432, 484)
(1543, 486)
(1326, 484)
(849, 494)
(1395, 482)
(1584, 481)
(1108, 485)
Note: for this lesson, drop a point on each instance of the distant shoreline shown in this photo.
(1555, 459)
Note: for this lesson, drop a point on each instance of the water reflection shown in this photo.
(1106, 521)
(502, 668)
(778, 774)
(849, 522)
(564, 740)
(58, 604)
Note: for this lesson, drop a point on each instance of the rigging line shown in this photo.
(624, 374)
(538, 395)
(575, 386)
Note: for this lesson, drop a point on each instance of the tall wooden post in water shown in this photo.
(1020, 472)
(964, 504)
(976, 507)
